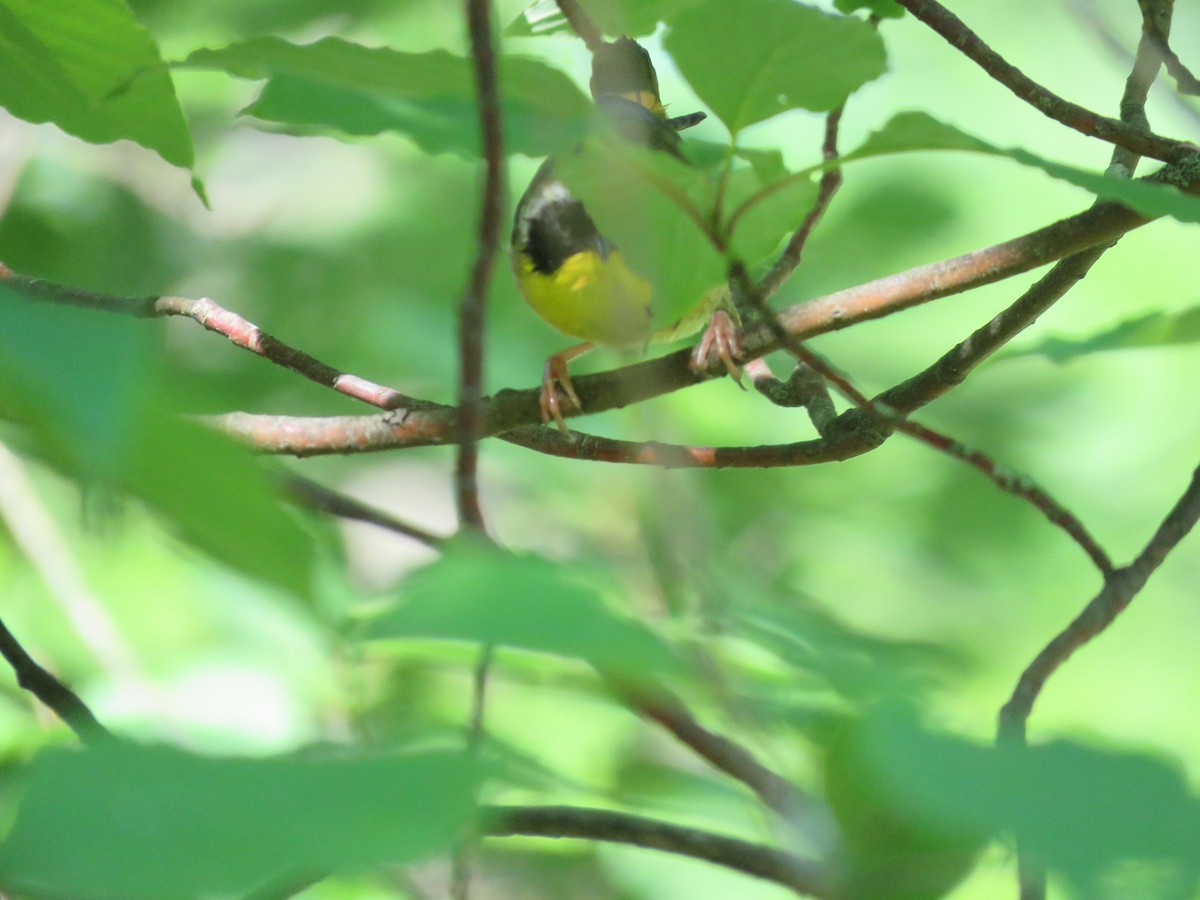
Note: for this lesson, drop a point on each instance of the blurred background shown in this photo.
(919, 574)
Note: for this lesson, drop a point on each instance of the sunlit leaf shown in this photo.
(754, 59)
(124, 821)
(913, 131)
(885, 9)
(1158, 329)
(480, 593)
(74, 62)
(430, 97)
(634, 18)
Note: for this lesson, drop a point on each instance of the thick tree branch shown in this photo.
(801, 875)
(53, 693)
(1133, 138)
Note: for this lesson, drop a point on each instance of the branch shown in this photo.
(1131, 137)
(473, 308)
(801, 875)
(319, 498)
(1118, 591)
(659, 705)
(831, 180)
(1031, 875)
(53, 693)
(581, 24)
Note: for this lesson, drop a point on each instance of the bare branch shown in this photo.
(1133, 138)
(1118, 591)
(319, 498)
(473, 308)
(581, 24)
(801, 875)
(659, 705)
(57, 696)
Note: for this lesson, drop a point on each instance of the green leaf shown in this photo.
(779, 207)
(914, 131)
(88, 67)
(634, 18)
(84, 383)
(478, 592)
(124, 821)
(1079, 810)
(884, 9)
(640, 200)
(1157, 329)
(754, 59)
(430, 97)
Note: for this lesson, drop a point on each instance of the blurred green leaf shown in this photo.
(74, 62)
(918, 131)
(1158, 329)
(124, 821)
(634, 18)
(430, 97)
(639, 200)
(754, 59)
(85, 383)
(779, 208)
(899, 788)
(478, 592)
(885, 9)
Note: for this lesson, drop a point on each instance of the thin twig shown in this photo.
(1083, 120)
(472, 310)
(53, 693)
(581, 24)
(659, 705)
(831, 180)
(1118, 591)
(804, 876)
(319, 498)
(1120, 586)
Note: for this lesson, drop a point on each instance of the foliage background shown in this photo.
(357, 251)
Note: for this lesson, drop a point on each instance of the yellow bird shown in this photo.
(576, 279)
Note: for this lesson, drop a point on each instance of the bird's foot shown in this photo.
(719, 339)
(557, 392)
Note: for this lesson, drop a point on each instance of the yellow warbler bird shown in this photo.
(575, 278)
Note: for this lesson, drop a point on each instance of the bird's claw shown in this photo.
(719, 339)
(557, 393)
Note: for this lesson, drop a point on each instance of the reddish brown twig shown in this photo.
(472, 310)
(801, 875)
(831, 180)
(1083, 120)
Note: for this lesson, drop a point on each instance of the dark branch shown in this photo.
(801, 875)
(319, 498)
(53, 693)
(1131, 137)
(581, 24)
(472, 310)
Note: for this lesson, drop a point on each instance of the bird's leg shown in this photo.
(557, 390)
(719, 339)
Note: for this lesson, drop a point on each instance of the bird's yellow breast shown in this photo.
(592, 297)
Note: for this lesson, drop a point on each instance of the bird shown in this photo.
(574, 277)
